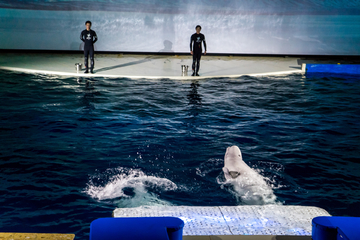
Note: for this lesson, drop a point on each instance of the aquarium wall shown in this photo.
(306, 27)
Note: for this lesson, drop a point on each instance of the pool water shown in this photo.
(72, 150)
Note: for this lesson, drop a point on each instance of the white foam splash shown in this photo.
(137, 182)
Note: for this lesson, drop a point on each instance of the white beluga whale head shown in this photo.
(247, 184)
(234, 165)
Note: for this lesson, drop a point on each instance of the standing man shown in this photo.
(196, 41)
(89, 37)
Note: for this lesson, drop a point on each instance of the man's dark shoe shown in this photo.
(193, 74)
(91, 71)
(197, 75)
(87, 71)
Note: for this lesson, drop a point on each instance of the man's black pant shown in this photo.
(196, 60)
(89, 51)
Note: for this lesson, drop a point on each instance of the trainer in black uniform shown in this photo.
(196, 41)
(89, 37)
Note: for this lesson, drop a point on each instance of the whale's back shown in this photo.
(247, 183)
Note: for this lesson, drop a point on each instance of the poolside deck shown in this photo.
(239, 221)
(263, 222)
(42, 236)
(148, 66)
(249, 237)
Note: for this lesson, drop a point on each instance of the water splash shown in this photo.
(129, 187)
(249, 189)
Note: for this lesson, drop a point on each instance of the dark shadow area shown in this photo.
(124, 64)
(292, 238)
(167, 47)
(295, 67)
(337, 58)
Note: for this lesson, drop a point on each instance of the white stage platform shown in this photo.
(234, 220)
(148, 66)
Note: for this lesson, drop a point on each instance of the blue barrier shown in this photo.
(336, 228)
(333, 68)
(150, 228)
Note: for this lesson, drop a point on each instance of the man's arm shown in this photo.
(191, 40)
(82, 36)
(95, 37)
(204, 44)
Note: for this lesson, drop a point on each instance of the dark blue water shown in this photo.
(72, 152)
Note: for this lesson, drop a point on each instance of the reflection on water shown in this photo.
(193, 95)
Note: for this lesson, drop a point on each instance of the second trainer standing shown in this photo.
(89, 37)
(196, 41)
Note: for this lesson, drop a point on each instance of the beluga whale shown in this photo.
(248, 185)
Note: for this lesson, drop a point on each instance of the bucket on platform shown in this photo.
(184, 70)
(78, 67)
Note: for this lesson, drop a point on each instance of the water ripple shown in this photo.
(63, 143)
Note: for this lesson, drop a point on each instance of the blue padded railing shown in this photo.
(336, 228)
(150, 228)
(353, 69)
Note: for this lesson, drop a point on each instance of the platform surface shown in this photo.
(247, 237)
(35, 236)
(148, 66)
(235, 220)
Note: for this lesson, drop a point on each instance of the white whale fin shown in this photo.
(226, 173)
